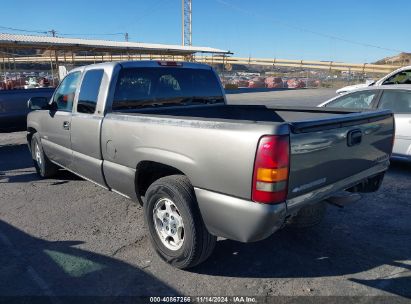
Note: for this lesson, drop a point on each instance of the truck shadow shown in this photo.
(400, 167)
(324, 251)
(27, 176)
(372, 233)
(30, 266)
(16, 166)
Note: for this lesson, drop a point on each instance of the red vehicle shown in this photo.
(274, 82)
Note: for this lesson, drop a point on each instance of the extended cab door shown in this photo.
(85, 128)
(55, 133)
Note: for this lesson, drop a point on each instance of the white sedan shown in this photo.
(396, 98)
(400, 76)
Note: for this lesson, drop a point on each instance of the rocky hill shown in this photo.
(400, 59)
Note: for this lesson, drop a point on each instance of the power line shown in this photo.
(95, 34)
(55, 33)
(22, 30)
(281, 23)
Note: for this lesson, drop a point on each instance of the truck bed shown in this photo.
(319, 152)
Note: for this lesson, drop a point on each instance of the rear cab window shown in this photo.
(89, 91)
(153, 87)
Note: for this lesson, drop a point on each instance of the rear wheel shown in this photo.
(309, 216)
(176, 228)
(44, 167)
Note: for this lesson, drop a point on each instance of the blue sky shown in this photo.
(298, 29)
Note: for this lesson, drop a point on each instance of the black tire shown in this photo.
(309, 216)
(198, 243)
(44, 168)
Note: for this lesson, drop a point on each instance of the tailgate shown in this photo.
(328, 150)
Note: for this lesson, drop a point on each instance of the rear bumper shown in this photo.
(239, 219)
(247, 221)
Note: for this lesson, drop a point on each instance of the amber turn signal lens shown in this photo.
(272, 175)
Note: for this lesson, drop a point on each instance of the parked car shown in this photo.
(295, 83)
(162, 134)
(396, 98)
(400, 76)
(256, 82)
(13, 107)
(274, 83)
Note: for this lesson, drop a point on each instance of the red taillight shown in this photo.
(271, 169)
(170, 63)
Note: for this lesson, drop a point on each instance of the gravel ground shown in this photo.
(66, 236)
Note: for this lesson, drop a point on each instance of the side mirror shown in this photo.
(52, 106)
(38, 103)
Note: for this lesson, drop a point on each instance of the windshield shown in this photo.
(153, 87)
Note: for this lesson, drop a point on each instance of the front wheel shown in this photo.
(44, 167)
(176, 228)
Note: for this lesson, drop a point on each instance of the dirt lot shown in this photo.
(66, 236)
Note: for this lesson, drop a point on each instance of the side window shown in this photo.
(396, 101)
(65, 93)
(89, 90)
(403, 77)
(356, 100)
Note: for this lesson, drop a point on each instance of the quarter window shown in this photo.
(89, 90)
(65, 93)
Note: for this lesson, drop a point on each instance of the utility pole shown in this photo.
(126, 37)
(53, 32)
(186, 22)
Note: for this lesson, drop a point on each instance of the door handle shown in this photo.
(354, 137)
(66, 125)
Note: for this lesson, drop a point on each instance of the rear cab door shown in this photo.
(86, 125)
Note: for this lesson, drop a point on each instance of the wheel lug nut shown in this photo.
(167, 228)
(172, 231)
(167, 214)
(172, 217)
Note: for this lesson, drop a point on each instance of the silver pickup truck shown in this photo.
(162, 134)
